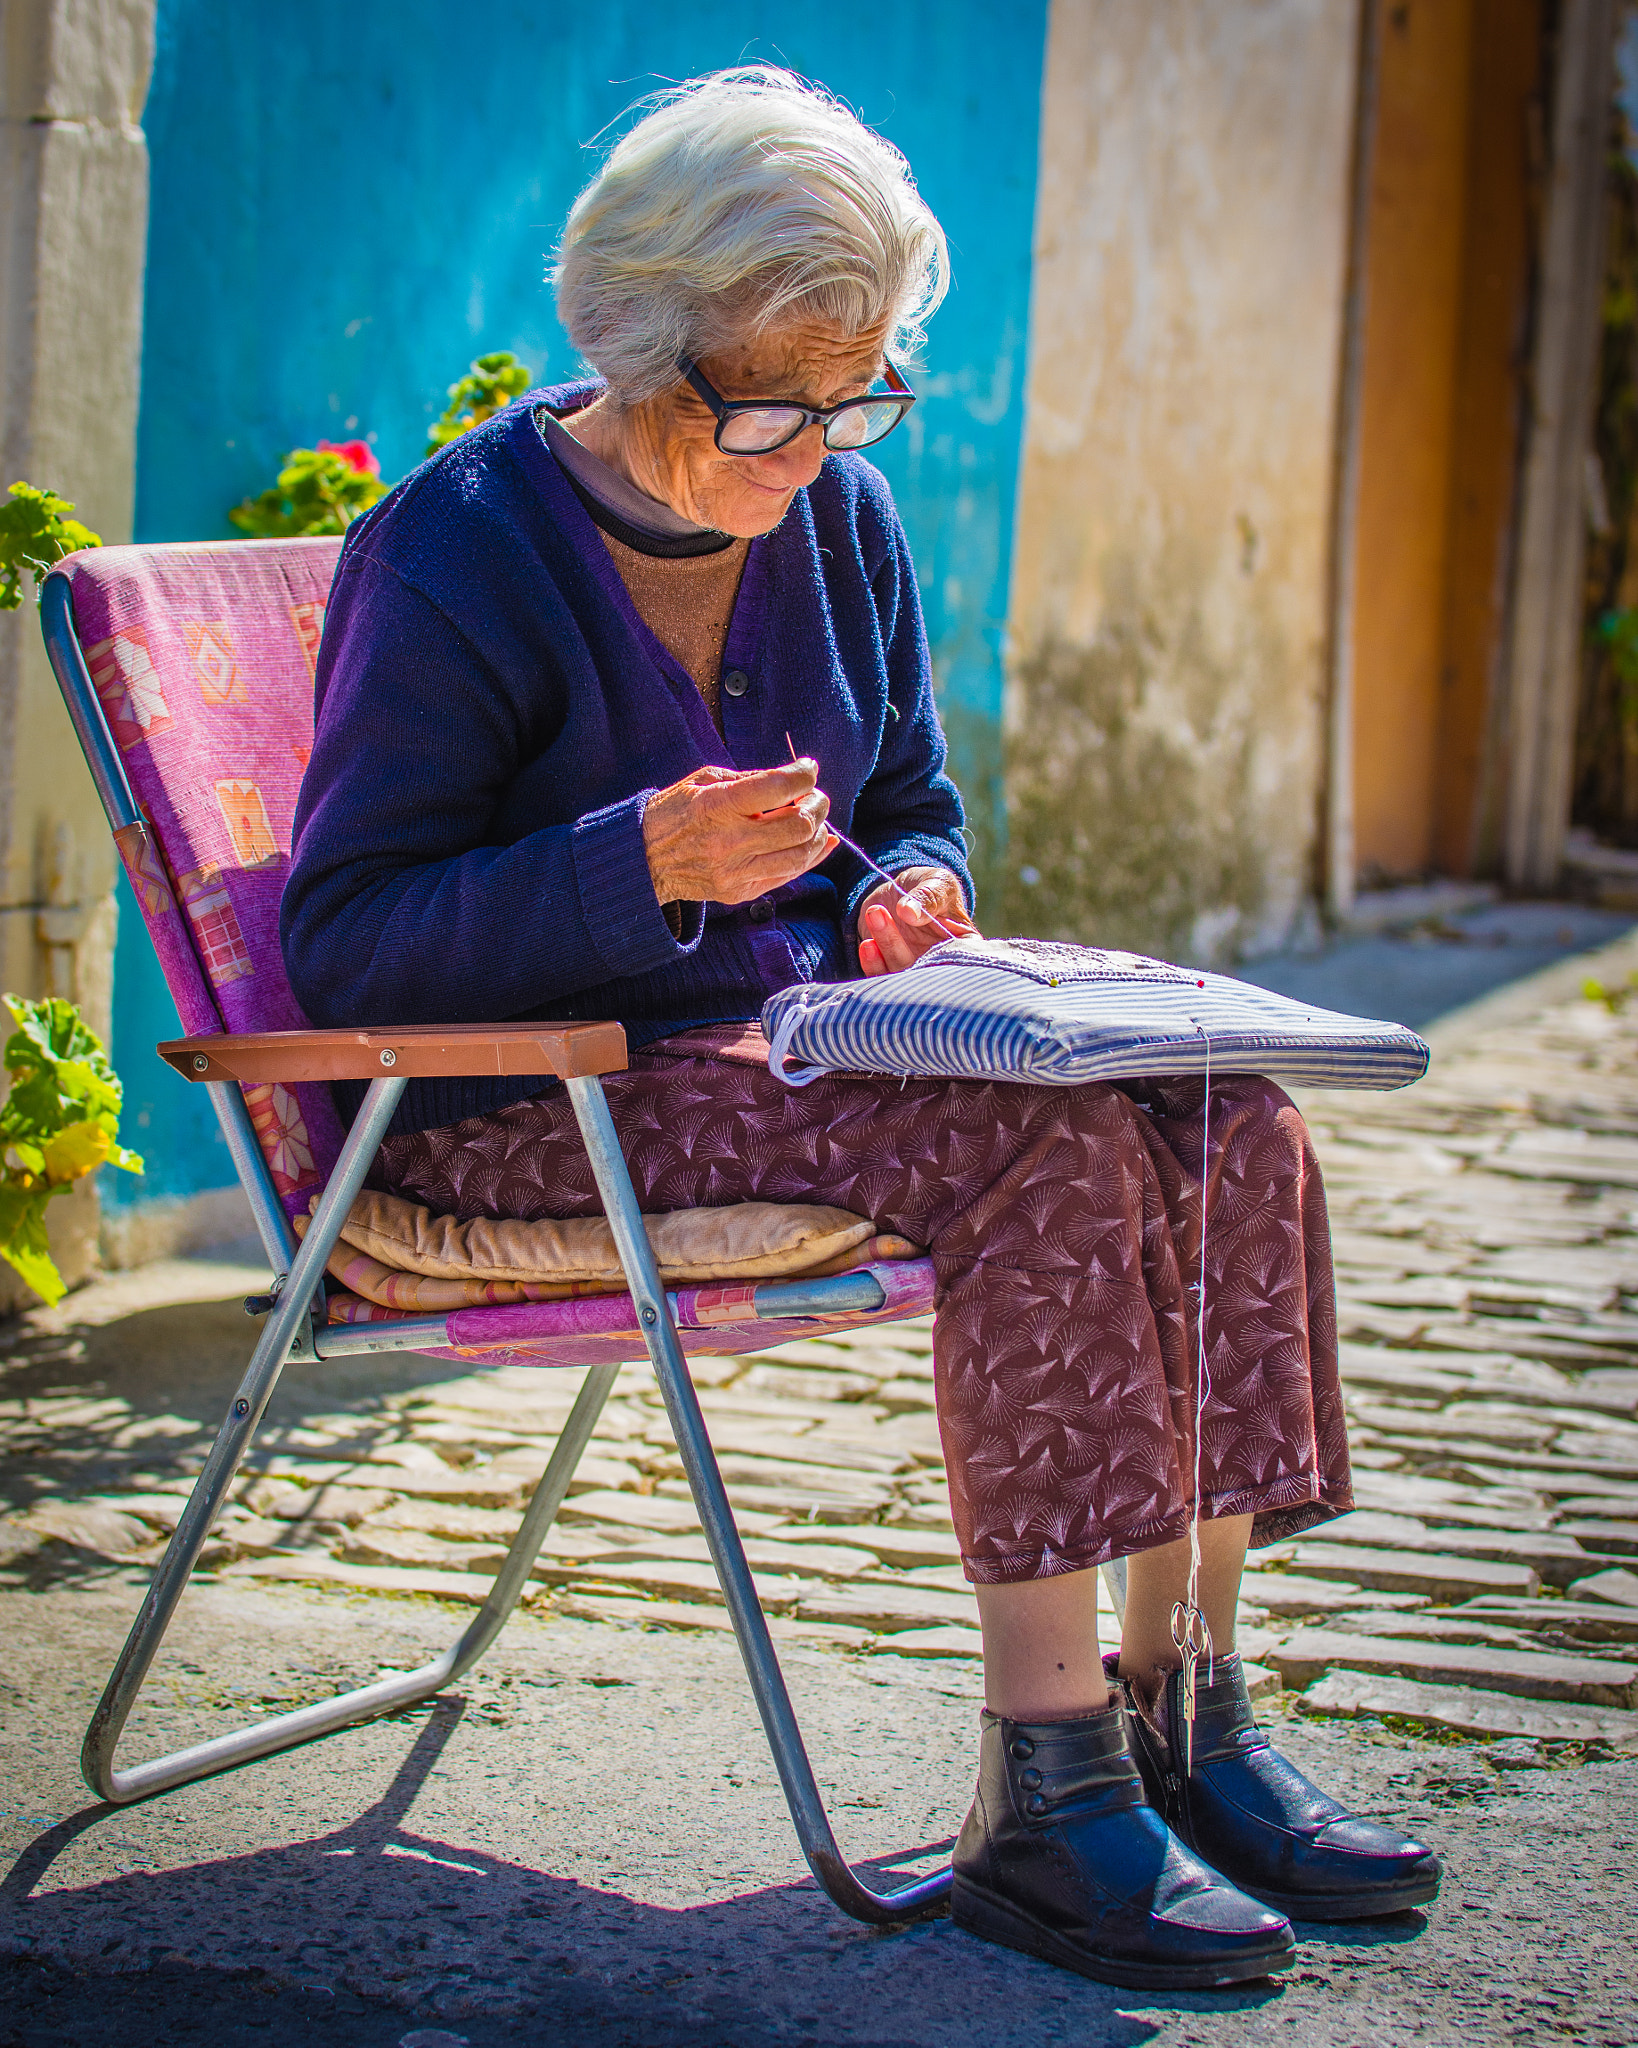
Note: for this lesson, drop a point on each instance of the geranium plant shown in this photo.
(59, 1123)
(323, 489)
(320, 490)
(34, 533)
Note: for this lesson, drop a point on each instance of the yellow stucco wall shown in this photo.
(1408, 424)
(1169, 597)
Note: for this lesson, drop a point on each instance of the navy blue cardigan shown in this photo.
(493, 716)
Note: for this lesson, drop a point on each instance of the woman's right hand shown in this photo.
(720, 836)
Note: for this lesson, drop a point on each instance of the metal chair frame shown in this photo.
(294, 1329)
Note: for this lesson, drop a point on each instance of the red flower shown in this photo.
(356, 455)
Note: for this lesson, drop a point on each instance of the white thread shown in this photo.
(1202, 1369)
(779, 1048)
(895, 885)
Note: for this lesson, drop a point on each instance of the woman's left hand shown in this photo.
(895, 930)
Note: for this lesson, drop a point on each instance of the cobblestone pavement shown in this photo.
(1486, 1233)
(1478, 1615)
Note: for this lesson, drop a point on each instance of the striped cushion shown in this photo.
(1027, 1010)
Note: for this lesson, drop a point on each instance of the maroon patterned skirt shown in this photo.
(1064, 1227)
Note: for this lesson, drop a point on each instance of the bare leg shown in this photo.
(1041, 1657)
(1157, 1579)
(1041, 1660)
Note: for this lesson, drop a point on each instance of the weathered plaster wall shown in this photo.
(348, 202)
(73, 211)
(1167, 626)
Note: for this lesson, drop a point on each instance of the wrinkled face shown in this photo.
(809, 362)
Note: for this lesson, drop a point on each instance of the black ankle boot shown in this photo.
(1256, 1818)
(1063, 1858)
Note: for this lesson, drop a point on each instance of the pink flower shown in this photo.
(356, 455)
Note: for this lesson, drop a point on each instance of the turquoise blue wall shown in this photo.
(349, 201)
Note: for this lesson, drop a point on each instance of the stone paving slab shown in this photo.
(1413, 1571)
(1595, 1680)
(1471, 1710)
(1617, 1584)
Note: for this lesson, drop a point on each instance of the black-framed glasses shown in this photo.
(757, 426)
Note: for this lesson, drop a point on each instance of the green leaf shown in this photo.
(57, 1032)
(34, 1109)
(24, 1245)
(80, 1081)
(33, 535)
(491, 384)
(29, 1159)
(59, 1122)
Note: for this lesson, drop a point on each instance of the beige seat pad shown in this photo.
(399, 1254)
(747, 1241)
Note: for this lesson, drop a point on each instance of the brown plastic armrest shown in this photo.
(407, 1052)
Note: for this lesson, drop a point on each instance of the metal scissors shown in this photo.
(1193, 1640)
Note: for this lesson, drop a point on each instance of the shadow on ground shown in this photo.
(137, 1401)
(373, 1875)
(185, 1360)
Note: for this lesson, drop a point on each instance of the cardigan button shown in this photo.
(761, 911)
(736, 682)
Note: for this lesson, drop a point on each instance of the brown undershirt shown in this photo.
(682, 578)
(686, 602)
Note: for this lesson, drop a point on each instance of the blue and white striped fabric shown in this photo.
(1026, 1010)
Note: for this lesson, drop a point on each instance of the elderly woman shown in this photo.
(567, 666)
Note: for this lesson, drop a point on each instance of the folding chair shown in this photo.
(188, 674)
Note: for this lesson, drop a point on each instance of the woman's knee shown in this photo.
(1255, 1099)
(1255, 1121)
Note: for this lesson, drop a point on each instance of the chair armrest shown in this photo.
(406, 1052)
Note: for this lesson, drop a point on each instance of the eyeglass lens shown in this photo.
(861, 425)
(770, 427)
(754, 433)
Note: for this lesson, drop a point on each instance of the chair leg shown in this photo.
(365, 1702)
(1114, 1578)
(807, 1809)
(283, 1334)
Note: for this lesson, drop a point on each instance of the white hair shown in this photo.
(742, 200)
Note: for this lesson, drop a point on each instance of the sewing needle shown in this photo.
(902, 893)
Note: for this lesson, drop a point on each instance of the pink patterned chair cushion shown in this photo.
(203, 657)
(712, 1322)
